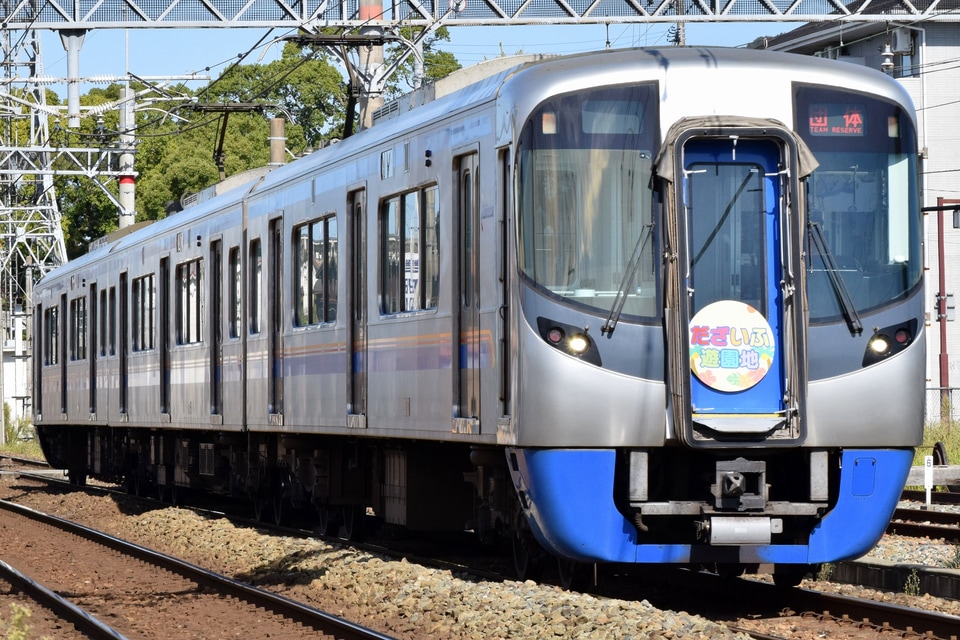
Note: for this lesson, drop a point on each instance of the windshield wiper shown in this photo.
(833, 272)
(626, 283)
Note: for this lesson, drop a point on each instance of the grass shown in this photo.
(946, 432)
(17, 628)
(19, 437)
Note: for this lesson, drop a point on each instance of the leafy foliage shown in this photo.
(176, 142)
(436, 64)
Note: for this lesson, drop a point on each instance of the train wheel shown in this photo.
(940, 458)
(279, 513)
(351, 525)
(789, 576)
(573, 574)
(258, 506)
(940, 454)
(167, 493)
(728, 570)
(77, 477)
(527, 553)
(326, 518)
(133, 484)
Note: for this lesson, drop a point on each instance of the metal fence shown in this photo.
(942, 404)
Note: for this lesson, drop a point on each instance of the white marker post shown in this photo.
(928, 476)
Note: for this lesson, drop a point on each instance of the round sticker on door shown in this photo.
(731, 346)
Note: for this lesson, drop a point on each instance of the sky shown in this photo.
(155, 53)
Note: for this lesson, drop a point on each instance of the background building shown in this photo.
(926, 60)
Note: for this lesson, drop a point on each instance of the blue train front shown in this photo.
(721, 352)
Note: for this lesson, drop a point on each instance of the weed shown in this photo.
(911, 586)
(935, 432)
(825, 572)
(17, 628)
(19, 436)
(954, 563)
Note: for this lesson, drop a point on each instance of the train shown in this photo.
(642, 306)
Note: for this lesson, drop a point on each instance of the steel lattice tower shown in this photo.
(31, 235)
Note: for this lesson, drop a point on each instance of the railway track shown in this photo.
(109, 578)
(921, 522)
(85, 624)
(936, 497)
(806, 609)
(809, 608)
(924, 523)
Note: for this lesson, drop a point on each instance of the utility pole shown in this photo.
(942, 306)
(127, 177)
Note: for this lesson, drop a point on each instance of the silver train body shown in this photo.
(656, 305)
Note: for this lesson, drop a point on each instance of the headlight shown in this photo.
(888, 341)
(574, 341)
(578, 344)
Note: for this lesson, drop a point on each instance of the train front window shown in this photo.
(862, 200)
(585, 164)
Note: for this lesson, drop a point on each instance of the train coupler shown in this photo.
(740, 485)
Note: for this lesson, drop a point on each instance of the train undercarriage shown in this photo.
(331, 482)
(340, 485)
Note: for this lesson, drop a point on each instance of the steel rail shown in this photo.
(275, 603)
(82, 620)
(878, 615)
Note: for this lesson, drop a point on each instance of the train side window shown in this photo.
(409, 251)
(144, 304)
(104, 319)
(315, 259)
(256, 285)
(430, 248)
(235, 285)
(51, 332)
(78, 329)
(190, 301)
(303, 275)
(113, 321)
(328, 275)
(390, 253)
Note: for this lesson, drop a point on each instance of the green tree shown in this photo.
(302, 86)
(436, 63)
(180, 162)
(86, 210)
(176, 143)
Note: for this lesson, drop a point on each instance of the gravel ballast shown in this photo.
(407, 600)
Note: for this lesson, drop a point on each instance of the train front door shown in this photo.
(737, 296)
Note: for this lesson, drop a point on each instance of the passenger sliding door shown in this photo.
(467, 371)
(163, 344)
(216, 331)
(275, 322)
(92, 352)
(357, 308)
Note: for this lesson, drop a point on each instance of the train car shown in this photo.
(636, 306)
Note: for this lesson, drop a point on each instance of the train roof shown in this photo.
(748, 68)
(530, 74)
(451, 99)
